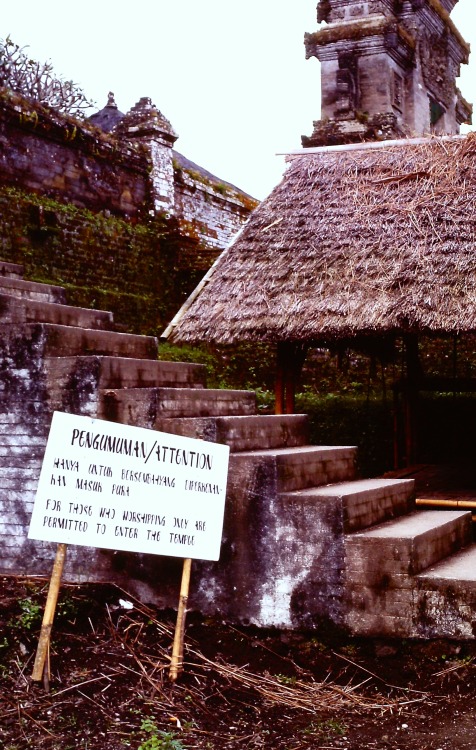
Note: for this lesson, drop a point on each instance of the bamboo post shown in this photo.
(176, 664)
(42, 654)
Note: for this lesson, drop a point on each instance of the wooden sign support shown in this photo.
(184, 520)
(41, 668)
(176, 665)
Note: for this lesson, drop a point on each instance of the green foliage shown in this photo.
(352, 420)
(326, 729)
(31, 608)
(158, 739)
(243, 367)
(31, 613)
(284, 679)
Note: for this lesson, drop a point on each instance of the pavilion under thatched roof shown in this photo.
(355, 241)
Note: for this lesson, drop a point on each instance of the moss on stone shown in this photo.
(141, 272)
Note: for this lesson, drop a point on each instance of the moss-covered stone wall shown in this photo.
(78, 209)
(139, 271)
(59, 156)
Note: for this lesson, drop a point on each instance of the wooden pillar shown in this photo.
(290, 360)
(280, 387)
(396, 429)
(413, 373)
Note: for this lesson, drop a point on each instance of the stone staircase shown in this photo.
(306, 544)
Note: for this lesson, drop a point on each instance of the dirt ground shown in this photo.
(241, 687)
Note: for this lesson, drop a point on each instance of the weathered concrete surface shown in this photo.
(280, 564)
(10, 270)
(119, 372)
(67, 341)
(242, 433)
(446, 597)
(162, 407)
(369, 501)
(382, 562)
(17, 287)
(20, 310)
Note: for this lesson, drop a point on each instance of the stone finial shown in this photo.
(108, 118)
(144, 119)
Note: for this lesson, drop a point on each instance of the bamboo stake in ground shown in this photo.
(176, 665)
(42, 652)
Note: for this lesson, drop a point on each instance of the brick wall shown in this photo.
(104, 262)
(213, 212)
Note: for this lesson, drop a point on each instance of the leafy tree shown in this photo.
(37, 81)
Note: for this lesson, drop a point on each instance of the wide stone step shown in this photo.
(390, 554)
(147, 407)
(31, 290)
(446, 597)
(11, 270)
(242, 433)
(97, 374)
(366, 502)
(301, 467)
(458, 570)
(382, 565)
(17, 310)
(68, 341)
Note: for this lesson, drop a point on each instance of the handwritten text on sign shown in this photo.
(118, 487)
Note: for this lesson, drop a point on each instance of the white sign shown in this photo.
(113, 486)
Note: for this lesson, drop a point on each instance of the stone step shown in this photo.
(301, 467)
(459, 570)
(68, 341)
(366, 502)
(242, 433)
(382, 565)
(447, 597)
(97, 374)
(390, 554)
(17, 310)
(17, 287)
(11, 270)
(145, 406)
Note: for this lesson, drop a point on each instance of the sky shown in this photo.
(231, 77)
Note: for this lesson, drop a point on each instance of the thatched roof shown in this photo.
(354, 241)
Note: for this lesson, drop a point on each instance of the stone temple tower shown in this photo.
(388, 69)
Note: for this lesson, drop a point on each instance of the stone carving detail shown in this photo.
(389, 57)
(347, 87)
(435, 70)
(323, 10)
(397, 91)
